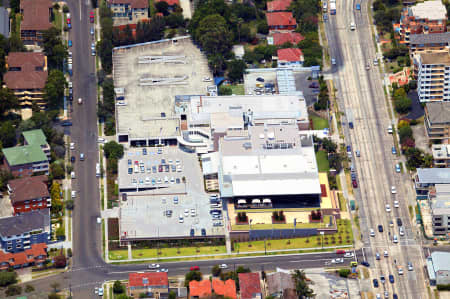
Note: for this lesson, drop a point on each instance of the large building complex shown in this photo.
(440, 209)
(433, 76)
(438, 267)
(427, 17)
(422, 43)
(437, 120)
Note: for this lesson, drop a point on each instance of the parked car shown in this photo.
(195, 268)
(69, 43)
(314, 85)
(366, 264)
(391, 278)
(223, 266)
(380, 228)
(375, 283)
(153, 266)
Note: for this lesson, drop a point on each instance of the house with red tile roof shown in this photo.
(153, 284)
(227, 289)
(128, 11)
(281, 21)
(280, 38)
(36, 18)
(29, 194)
(250, 285)
(36, 255)
(171, 3)
(199, 289)
(26, 76)
(278, 5)
(290, 57)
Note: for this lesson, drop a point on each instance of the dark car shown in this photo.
(66, 123)
(375, 283)
(380, 228)
(382, 279)
(355, 184)
(195, 268)
(366, 264)
(395, 296)
(391, 278)
(144, 151)
(314, 85)
(399, 222)
(203, 232)
(259, 79)
(72, 159)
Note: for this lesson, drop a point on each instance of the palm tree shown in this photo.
(301, 287)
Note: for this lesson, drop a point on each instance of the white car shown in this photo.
(80, 101)
(121, 103)
(100, 291)
(72, 145)
(74, 194)
(393, 190)
(372, 232)
(410, 266)
(401, 231)
(164, 270)
(386, 254)
(352, 26)
(396, 205)
(223, 266)
(395, 240)
(400, 271)
(349, 254)
(101, 140)
(207, 79)
(181, 219)
(153, 266)
(388, 208)
(186, 212)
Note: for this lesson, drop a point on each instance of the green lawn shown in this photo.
(238, 89)
(322, 161)
(58, 19)
(344, 231)
(342, 204)
(277, 226)
(118, 255)
(166, 252)
(319, 123)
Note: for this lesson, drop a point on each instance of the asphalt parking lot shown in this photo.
(165, 203)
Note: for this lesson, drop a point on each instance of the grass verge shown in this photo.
(238, 89)
(342, 202)
(103, 238)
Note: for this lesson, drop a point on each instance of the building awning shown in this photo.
(242, 201)
(256, 200)
(267, 200)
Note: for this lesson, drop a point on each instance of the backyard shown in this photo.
(319, 123)
(238, 89)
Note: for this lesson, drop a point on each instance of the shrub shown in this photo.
(65, 9)
(344, 272)
(13, 290)
(7, 278)
(118, 287)
(443, 287)
(29, 288)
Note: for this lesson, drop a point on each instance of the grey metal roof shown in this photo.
(441, 261)
(433, 175)
(438, 112)
(430, 38)
(4, 22)
(24, 223)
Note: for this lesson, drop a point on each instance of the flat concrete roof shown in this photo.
(152, 74)
(435, 58)
(272, 160)
(431, 10)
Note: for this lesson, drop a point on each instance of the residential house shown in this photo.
(172, 3)
(279, 284)
(290, 57)
(36, 255)
(18, 233)
(128, 11)
(280, 38)
(36, 18)
(278, 5)
(29, 194)
(422, 43)
(199, 289)
(26, 76)
(439, 200)
(153, 284)
(428, 17)
(438, 267)
(227, 288)
(432, 71)
(437, 120)
(427, 178)
(281, 21)
(250, 285)
(4, 22)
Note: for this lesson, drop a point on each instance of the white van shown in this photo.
(72, 174)
(390, 129)
(74, 194)
(97, 169)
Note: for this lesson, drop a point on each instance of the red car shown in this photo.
(355, 184)
(91, 16)
(195, 268)
(340, 251)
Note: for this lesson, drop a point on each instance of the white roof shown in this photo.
(431, 10)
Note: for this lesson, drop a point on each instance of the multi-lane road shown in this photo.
(359, 87)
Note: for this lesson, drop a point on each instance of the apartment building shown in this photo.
(30, 158)
(423, 43)
(29, 194)
(26, 76)
(36, 18)
(432, 71)
(36, 256)
(128, 11)
(18, 233)
(437, 121)
(428, 17)
(428, 178)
